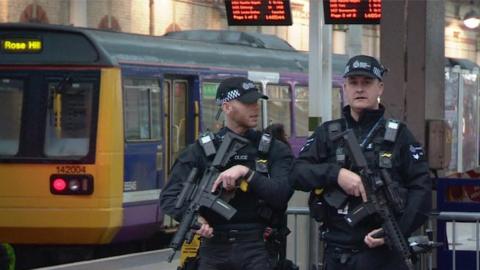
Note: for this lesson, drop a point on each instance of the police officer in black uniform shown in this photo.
(322, 165)
(238, 243)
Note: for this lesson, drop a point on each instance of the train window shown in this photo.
(69, 117)
(301, 111)
(142, 109)
(156, 112)
(278, 105)
(337, 102)
(179, 115)
(11, 96)
(260, 109)
(210, 108)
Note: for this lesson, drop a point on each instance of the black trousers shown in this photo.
(235, 255)
(380, 258)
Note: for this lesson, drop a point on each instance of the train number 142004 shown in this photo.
(71, 169)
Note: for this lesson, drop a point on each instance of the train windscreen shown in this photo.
(68, 122)
(11, 96)
(50, 114)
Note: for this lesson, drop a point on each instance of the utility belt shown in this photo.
(231, 236)
(342, 254)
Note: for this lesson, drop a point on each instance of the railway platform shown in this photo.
(150, 260)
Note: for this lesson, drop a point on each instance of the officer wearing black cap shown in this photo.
(238, 243)
(322, 164)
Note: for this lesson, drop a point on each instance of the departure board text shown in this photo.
(258, 12)
(352, 11)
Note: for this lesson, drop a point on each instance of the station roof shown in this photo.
(251, 39)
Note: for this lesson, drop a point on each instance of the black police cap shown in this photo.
(238, 88)
(364, 65)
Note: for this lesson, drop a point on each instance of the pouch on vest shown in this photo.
(318, 209)
(334, 196)
(264, 144)
(385, 162)
(206, 142)
(261, 162)
(261, 165)
(391, 129)
(334, 129)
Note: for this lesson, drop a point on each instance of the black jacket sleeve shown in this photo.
(414, 172)
(275, 190)
(189, 158)
(311, 170)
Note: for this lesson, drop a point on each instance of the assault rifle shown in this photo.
(381, 199)
(197, 192)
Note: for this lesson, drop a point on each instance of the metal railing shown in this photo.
(295, 212)
(455, 217)
(314, 247)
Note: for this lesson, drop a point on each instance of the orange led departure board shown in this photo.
(352, 11)
(258, 12)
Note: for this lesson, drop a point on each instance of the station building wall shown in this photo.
(157, 17)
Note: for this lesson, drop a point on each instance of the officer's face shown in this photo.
(362, 92)
(241, 115)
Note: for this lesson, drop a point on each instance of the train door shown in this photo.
(177, 122)
(143, 165)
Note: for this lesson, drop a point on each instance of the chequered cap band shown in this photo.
(231, 95)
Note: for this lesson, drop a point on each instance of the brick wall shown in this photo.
(134, 16)
(57, 11)
(163, 12)
(139, 16)
(96, 10)
(15, 9)
(183, 15)
(120, 9)
(3, 11)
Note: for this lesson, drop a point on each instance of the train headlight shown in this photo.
(74, 185)
(71, 184)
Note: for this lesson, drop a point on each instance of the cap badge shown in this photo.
(363, 65)
(248, 85)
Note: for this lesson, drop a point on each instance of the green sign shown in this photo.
(209, 90)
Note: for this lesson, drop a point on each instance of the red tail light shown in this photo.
(59, 184)
(71, 184)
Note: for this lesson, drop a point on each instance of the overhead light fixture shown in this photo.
(471, 19)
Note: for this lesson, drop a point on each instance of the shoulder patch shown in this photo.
(416, 152)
